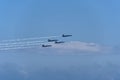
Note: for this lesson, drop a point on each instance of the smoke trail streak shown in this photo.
(15, 48)
(20, 46)
(26, 44)
(18, 43)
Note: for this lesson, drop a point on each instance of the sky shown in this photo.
(93, 50)
(88, 20)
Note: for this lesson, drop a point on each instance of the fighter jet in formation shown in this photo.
(46, 45)
(66, 35)
(59, 42)
(52, 40)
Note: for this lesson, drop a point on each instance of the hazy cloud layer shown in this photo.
(82, 47)
(92, 71)
(29, 64)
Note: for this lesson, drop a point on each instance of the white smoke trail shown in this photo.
(16, 48)
(29, 39)
(15, 45)
(18, 43)
(21, 46)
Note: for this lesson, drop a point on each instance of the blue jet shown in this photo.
(66, 35)
(59, 42)
(52, 40)
(46, 45)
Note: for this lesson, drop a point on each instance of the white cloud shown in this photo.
(82, 46)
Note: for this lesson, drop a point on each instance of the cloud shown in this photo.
(92, 71)
(10, 71)
(82, 47)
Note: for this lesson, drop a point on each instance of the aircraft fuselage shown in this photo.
(46, 45)
(58, 42)
(66, 35)
(52, 40)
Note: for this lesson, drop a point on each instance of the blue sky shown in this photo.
(88, 20)
(91, 22)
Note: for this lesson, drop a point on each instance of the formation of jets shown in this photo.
(56, 41)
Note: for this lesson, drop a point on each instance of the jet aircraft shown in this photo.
(46, 45)
(52, 40)
(66, 35)
(59, 42)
